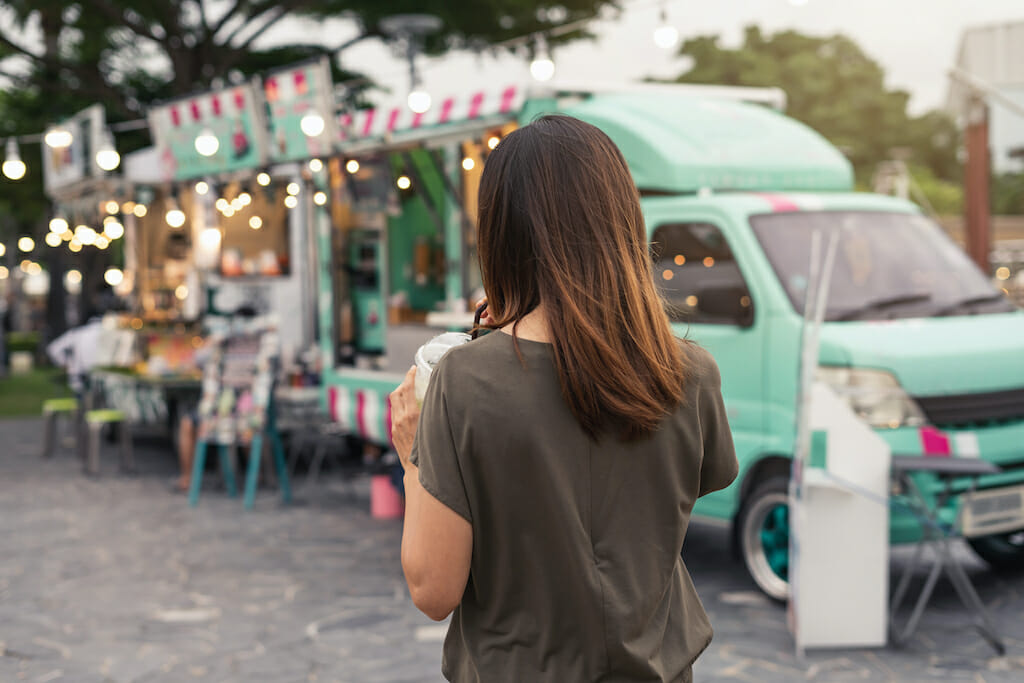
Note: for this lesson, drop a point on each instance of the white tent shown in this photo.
(993, 56)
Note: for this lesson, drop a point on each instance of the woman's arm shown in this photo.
(437, 543)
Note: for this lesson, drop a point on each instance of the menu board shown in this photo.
(64, 167)
(231, 115)
(293, 94)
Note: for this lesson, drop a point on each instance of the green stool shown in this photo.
(95, 421)
(52, 410)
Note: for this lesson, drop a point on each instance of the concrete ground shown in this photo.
(114, 579)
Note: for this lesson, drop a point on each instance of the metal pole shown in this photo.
(976, 175)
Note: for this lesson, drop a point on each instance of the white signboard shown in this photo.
(67, 166)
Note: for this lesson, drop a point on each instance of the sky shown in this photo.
(914, 40)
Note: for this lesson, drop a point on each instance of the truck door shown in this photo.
(710, 302)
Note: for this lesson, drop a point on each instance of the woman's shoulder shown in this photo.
(701, 368)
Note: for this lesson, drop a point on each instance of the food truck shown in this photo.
(915, 338)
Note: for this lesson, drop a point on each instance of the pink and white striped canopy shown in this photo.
(396, 117)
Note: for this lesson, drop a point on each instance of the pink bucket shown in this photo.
(385, 501)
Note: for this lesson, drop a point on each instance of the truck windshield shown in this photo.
(888, 265)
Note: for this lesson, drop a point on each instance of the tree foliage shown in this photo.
(833, 87)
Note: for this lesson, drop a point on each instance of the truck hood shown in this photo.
(934, 356)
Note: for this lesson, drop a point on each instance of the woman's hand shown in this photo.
(405, 415)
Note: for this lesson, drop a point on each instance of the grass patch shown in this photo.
(22, 395)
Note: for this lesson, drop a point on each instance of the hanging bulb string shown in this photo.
(342, 86)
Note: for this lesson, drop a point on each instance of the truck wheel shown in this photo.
(1001, 551)
(763, 525)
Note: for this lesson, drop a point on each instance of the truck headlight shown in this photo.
(874, 395)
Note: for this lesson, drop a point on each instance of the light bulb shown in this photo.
(13, 167)
(4, 273)
(202, 187)
(493, 141)
(140, 210)
(26, 244)
(85, 235)
(210, 238)
(352, 166)
(312, 124)
(58, 226)
(320, 198)
(542, 68)
(75, 246)
(113, 230)
(666, 36)
(58, 138)
(468, 164)
(181, 292)
(112, 207)
(403, 182)
(207, 143)
(73, 277)
(245, 199)
(175, 218)
(101, 242)
(291, 201)
(107, 157)
(221, 204)
(263, 179)
(293, 188)
(419, 101)
(113, 277)
(52, 239)
(315, 165)
(255, 222)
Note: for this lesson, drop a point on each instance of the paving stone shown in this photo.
(114, 579)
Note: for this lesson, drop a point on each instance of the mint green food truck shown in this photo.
(914, 334)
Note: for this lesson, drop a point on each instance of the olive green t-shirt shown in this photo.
(576, 572)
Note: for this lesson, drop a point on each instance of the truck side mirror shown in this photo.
(728, 304)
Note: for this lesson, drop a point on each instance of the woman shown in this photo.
(551, 478)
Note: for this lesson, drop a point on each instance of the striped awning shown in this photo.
(396, 117)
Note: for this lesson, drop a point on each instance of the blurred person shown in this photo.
(550, 479)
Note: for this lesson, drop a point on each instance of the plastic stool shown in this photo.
(52, 410)
(95, 420)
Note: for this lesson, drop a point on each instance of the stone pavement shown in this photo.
(115, 579)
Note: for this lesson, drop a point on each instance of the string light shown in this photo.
(312, 124)
(107, 157)
(315, 165)
(85, 235)
(221, 204)
(263, 179)
(113, 277)
(352, 166)
(666, 36)
(293, 188)
(101, 242)
(255, 222)
(140, 210)
(181, 292)
(112, 207)
(73, 276)
(13, 167)
(113, 230)
(542, 68)
(207, 143)
(58, 226)
(245, 199)
(493, 141)
(320, 198)
(468, 164)
(75, 246)
(52, 239)
(202, 187)
(128, 207)
(26, 244)
(403, 182)
(291, 201)
(419, 99)
(58, 138)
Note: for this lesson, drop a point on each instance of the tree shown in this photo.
(833, 87)
(59, 56)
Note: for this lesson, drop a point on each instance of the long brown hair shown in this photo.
(561, 225)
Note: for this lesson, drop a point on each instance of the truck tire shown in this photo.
(763, 526)
(1004, 552)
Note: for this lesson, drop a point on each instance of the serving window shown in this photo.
(255, 233)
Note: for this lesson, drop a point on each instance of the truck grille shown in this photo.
(973, 409)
